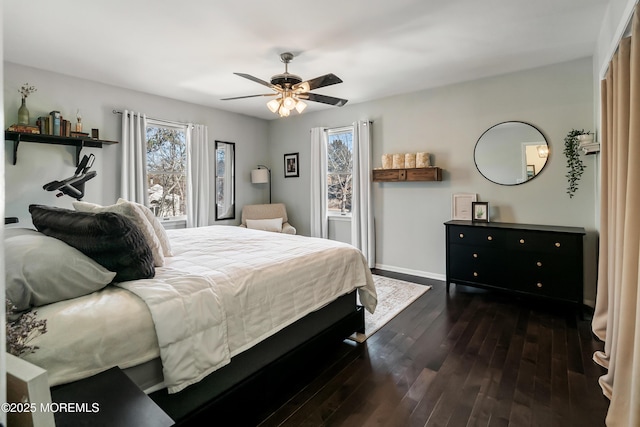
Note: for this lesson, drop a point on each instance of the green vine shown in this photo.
(574, 163)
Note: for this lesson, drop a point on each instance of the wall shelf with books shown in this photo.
(78, 143)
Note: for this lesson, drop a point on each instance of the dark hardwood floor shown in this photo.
(470, 358)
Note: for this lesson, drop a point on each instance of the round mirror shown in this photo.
(511, 153)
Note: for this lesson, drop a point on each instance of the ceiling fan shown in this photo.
(290, 91)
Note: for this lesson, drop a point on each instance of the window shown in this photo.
(339, 170)
(166, 170)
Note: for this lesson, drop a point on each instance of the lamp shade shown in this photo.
(273, 105)
(259, 176)
(300, 106)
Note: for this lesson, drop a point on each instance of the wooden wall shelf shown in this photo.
(414, 174)
(79, 143)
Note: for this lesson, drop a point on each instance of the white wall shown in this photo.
(41, 163)
(447, 122)
(614, 23)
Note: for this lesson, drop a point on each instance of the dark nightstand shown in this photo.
(109, 398)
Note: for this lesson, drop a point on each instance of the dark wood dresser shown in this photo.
(538, 260)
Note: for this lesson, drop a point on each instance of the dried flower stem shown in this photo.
(27, 90)
(23, 330)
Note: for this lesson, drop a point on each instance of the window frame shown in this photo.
(332, 214)
(153, 123)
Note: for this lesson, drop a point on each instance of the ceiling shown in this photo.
(189, 50)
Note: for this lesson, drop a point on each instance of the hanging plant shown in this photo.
(574, 162)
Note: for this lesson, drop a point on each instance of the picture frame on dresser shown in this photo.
(480, 211)
(461, 204)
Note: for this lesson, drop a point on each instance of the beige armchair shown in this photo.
(266, 212)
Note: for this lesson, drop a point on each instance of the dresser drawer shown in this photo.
(555, 243)
(542, 265)
(552, 287)
(477, 236)
(475, 264)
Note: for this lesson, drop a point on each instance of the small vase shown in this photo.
(23, 114)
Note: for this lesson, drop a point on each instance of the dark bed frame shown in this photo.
(231, 391)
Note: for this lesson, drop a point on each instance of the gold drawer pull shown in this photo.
(539, 264)
(461, 236)
(557, 244)
(475, 274)
(475, 255)
(521, 240)
(539, 285)
(489, 238)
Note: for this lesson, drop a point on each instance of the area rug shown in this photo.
(393, 297)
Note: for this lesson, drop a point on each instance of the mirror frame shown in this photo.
(544, 138)
(219, 214)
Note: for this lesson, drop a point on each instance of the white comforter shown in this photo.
(224, 290)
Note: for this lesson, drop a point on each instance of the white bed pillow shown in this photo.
(139, 219)
(42, 270)
(161, 233)
(20, 231)
(274, 224)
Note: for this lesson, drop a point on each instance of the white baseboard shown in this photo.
(419, 273)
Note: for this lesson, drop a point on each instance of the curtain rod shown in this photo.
(339, 128)
(157, 120)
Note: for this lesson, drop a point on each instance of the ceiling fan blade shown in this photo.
(248, 96)
(257, 80)
(322, 81)
(338, 102)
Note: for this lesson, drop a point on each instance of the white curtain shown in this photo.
(616, 319)
(362, 225)
(318, 170)
(198, 165)
(133, 178)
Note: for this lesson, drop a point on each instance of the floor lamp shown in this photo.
(262, 175)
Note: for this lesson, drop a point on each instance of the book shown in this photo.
(24, 129)
(55, 122)
(42, 124)
(65, 126)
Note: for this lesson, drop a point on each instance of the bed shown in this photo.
(229, 303)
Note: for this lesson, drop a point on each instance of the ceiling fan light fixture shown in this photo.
(274, 105)
(300, 106)
(303, 87)
(291, 90)
(284, 112)
(289, 102)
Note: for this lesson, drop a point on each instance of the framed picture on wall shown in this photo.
(461, 205)
(291, 165)
(480, 211)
